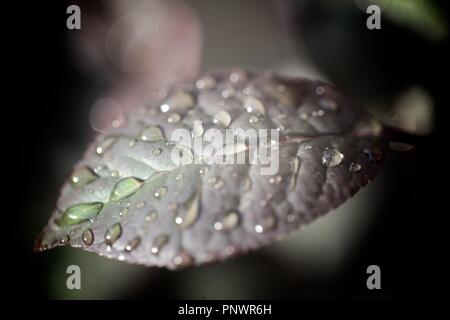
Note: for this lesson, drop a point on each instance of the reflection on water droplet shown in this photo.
(113, 234)
(82, 176)
(152, 216)
(223, 118)
(160, 193)
(133, 244)
(219, 184)
(331, 157)
(174, 118)
(158, 243)
(252, 104)
(105, 145)
(164, 107)
(124, 188)
(132, 142)
(355, 167)
(259, 228)
(320, 90)
(153, 133)
(179, 177)
(88, 237)
(79, 213)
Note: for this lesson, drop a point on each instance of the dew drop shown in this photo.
(160, 193)
(105, 145)
(252, 104)
(328, 104)
(197, 130)
(253, 119)
(331, 157)
(64, 240)
(153, 133)
(294, 166)
(355, 167)
(152, 216)
(159, 242)
(87, 237)
(174, 118)
(156, 151)
(230, 221)
(123, 212)
(79, 213)
(133, 244)
(182, 259)
(113, 234)
(125, 188)
(191, 214)
(140, 204)
(223, 118)
(82, 176)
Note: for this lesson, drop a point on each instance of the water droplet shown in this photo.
(140, 204)
(105, 145)
(160, 193)
(247, 183)
(252, 104)
(197, 130)
(230, 221)
(79, 213)
(133, 244)
(331, 157)
(268, 223)
(180, 100)
(179, 177)
(253, 119)
(294, 166)
(113, 234)
(82, 176)
(191, 214)
(152, 216)
(355, 167)
(123, 212)
(276, 179)
(328, 104)
(153, 133)
(205, 82)
(125, 188)
(156, 151)
(203, 171)
(115, 173)
(182, 260)
(174, 118)
(132, 142)
(304, 116)
(64, 240)
(223, 118)
(219, 184)
(87, 237)
(158, 243)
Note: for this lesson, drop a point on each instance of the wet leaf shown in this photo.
(137, 204)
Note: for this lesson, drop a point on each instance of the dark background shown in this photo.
(405, 237)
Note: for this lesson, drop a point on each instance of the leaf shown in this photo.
(129, 200)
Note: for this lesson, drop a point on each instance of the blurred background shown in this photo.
(128, 51)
